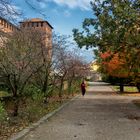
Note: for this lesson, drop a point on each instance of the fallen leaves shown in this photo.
(15, 124)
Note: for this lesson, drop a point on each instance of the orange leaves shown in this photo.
(105, 55)
(114, 64)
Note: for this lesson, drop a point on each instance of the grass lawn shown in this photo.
(4, 94)
(126, 89)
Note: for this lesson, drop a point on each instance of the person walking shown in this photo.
(83, 88)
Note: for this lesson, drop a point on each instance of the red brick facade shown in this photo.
(42, 26)
(36, 24)
(6, 26)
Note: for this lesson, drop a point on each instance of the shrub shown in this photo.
(38, 97)
(35, 108)
(32, 90)
(3, 113)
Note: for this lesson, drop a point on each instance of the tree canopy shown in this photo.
(114, 29)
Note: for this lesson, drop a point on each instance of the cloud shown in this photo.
(9, 11)
(42, 5)
(55, 11)
(67, 13)
(82, 4)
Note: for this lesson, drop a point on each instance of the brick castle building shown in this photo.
(6, 26)
(42, 26)
(36, 24)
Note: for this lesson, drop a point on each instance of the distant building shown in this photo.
(94, 75)
(94, 66)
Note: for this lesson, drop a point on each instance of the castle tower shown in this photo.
(44, 27)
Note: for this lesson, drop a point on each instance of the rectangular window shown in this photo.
(4, 24)
(41, 24)
(32, 24)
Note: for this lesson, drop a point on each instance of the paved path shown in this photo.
(100, 115)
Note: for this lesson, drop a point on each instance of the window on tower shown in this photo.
(41, 24)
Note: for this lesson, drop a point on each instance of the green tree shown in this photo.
(114, 28)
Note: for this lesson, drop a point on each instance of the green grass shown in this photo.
(4, 94)
(126, 88)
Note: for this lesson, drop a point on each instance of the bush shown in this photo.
(38, 97)
(34, 111)
(3, 113)
(32, 90)
(35, 108)
(4, 88)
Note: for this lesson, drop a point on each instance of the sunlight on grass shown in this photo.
(4, 94)
(126, 89)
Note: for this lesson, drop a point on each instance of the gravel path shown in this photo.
(100, 115)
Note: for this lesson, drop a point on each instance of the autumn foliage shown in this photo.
(114, 64)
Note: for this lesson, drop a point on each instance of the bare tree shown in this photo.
(19, 61)
(68, 65)
(43, 76)
(7, 10)
(75, 69)
(60, 59)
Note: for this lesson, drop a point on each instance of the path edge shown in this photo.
(33, 126)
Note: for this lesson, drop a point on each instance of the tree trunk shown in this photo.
(45, 85)
(16, 107)
(61, 87)
(16, 102)
(121, 87)
(69, 86)
(138, 86)
(45, 89)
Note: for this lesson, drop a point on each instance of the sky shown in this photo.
(63, 15)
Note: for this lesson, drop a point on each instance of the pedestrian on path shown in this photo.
(83, 88)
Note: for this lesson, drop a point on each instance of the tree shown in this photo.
(19, 61)
(60, 59)
(42, 77)
(115, 66)
(113, 29)
(7, 10)
(77, 69)
(67, 64)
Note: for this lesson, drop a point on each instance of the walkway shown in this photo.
(100, 115)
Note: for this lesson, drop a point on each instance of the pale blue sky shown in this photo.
(63, 15)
